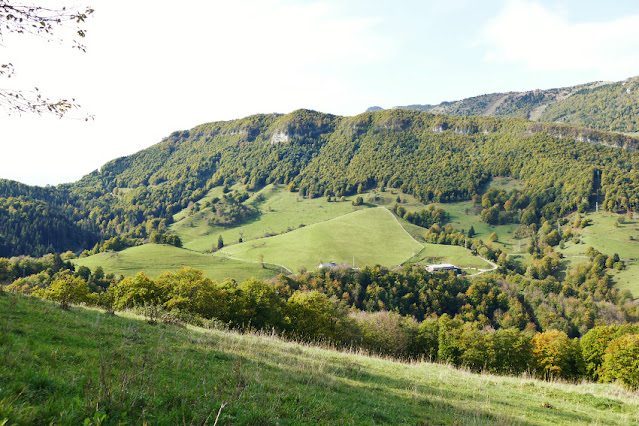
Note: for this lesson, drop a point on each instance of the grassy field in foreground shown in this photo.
(373, 236)
(62, 367)
(153, 259)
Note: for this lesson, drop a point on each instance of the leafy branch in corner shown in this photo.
(46, 23)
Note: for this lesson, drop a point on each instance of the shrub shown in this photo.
(449, 343)
(258, 305)
(427, 340)
(512, 351)
(387, 333)
(188, 291)
(139, 292)
(314, 317)
(66, 290)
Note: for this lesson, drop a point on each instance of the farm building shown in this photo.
(441, 267)
(332, 265)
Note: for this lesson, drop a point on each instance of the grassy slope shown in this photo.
(388, 244)
(371, 235)
(154, 259)
(287, 210)
(602, 235)
(161, 374)
(610, 239)
(464, 214)
(438, 253)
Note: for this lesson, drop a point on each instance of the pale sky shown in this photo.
(155, 67)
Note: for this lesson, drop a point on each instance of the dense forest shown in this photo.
(598, 105)
(613, 107)
(435, 158)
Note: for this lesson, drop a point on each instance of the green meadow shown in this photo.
(438, 253)
(292, 231)
(86, 367)
(370, 236)
(154, 259)
(281, 211)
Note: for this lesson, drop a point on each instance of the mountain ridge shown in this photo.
(609, 106)
(434, 157)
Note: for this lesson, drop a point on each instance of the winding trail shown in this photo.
(481, 271)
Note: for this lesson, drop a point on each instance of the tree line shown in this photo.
(503, 324)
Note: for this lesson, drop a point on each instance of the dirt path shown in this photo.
(481, 271)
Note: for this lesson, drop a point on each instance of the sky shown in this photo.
(155, 67)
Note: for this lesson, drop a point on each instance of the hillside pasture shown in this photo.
(154, 259)
(464, 215)
(214, 192)
(281, 211)
(372, 236)
(458, 256)
(603, 235)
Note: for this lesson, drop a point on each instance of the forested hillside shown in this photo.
(613, 107)
(603, 106)
(435, 158)
(37, 221)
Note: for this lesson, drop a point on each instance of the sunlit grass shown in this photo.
(66, 366)
(154, 259)
(370, 236)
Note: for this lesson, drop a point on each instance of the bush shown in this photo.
(427, 341)
(449, 343)
(188, 291)
(387, 333)
(66, 290)
(621, 361)
(258, 306)
(511, 351)
(139, 292)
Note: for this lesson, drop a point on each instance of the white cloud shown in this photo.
(529, 33)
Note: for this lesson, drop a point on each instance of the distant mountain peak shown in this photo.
(374, 109)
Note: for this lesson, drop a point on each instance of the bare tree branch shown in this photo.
(47, 23)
